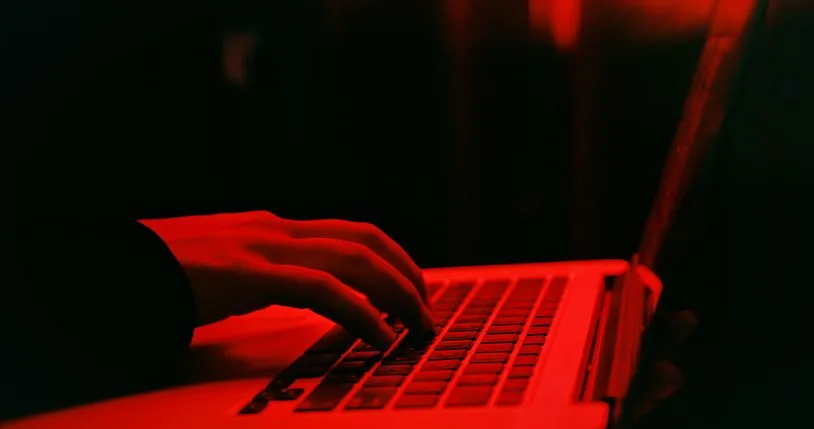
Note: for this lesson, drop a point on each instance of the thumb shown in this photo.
(665, 379)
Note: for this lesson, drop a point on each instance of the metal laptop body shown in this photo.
(538, 326)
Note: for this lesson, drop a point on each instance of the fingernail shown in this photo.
(385, 338)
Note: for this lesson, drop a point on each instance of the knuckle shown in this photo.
(257, 214)
(321, 279)
(355, 254)
(318, 282)
(370, 231)
(363, 229)
(262, 216)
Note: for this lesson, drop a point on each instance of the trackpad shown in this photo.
(260, 344)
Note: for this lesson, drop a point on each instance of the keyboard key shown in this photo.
(371, 398)
(462, 285)
(282, 381)
(280, 395)
(534, 340)
(447, 354)
(472, 318)
(509, 321)
(495, 348)
(529, 283)
(475, 326)
(433, 387)
(514, 312)
(478, 310)
(477, 380)
(526, 305)
(553, 295)
(469, 396)
(441, 365)
(362, 356)
(521, 372)
(325, 397)
(489, 358)
(542, 321)
(394, 370)
(466, 335)
(524, 295)
(415, 342)
(396, 359)
(505, 329)
(351, 367)
(409, 348)
(539, 330)
(483, 368)
(516, 385)
(558, 284)
(500, 338)
(417, 401)
(497, 283)
(525, 360)
(385, 381)
(530, 350)
(453, 345)
(509, 398)
(442, 375)
(483, 302)
(254, 407)
(406, 350)
(342, 377)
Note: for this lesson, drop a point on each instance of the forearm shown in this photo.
(90, 308)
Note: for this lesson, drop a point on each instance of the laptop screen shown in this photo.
(706, 106)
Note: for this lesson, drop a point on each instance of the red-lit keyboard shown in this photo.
(490, 335)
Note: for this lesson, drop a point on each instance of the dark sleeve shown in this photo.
(91, 310)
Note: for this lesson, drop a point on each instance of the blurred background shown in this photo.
(470, 131)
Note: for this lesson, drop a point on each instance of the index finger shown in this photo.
(369, 236)
(300, 287)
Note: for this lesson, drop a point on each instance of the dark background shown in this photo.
(463, 150)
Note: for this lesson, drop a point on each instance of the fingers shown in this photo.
(369, 236)
(356, 266)
(662, 377)
(665, 380)
(324, 294)
(679, 327)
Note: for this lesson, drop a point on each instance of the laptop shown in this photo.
(551, 345)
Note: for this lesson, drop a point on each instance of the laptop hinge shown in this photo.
(632, 302)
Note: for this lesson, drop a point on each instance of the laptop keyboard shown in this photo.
(490, 335)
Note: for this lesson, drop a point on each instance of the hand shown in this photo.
(348, 272)
(662, 377)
